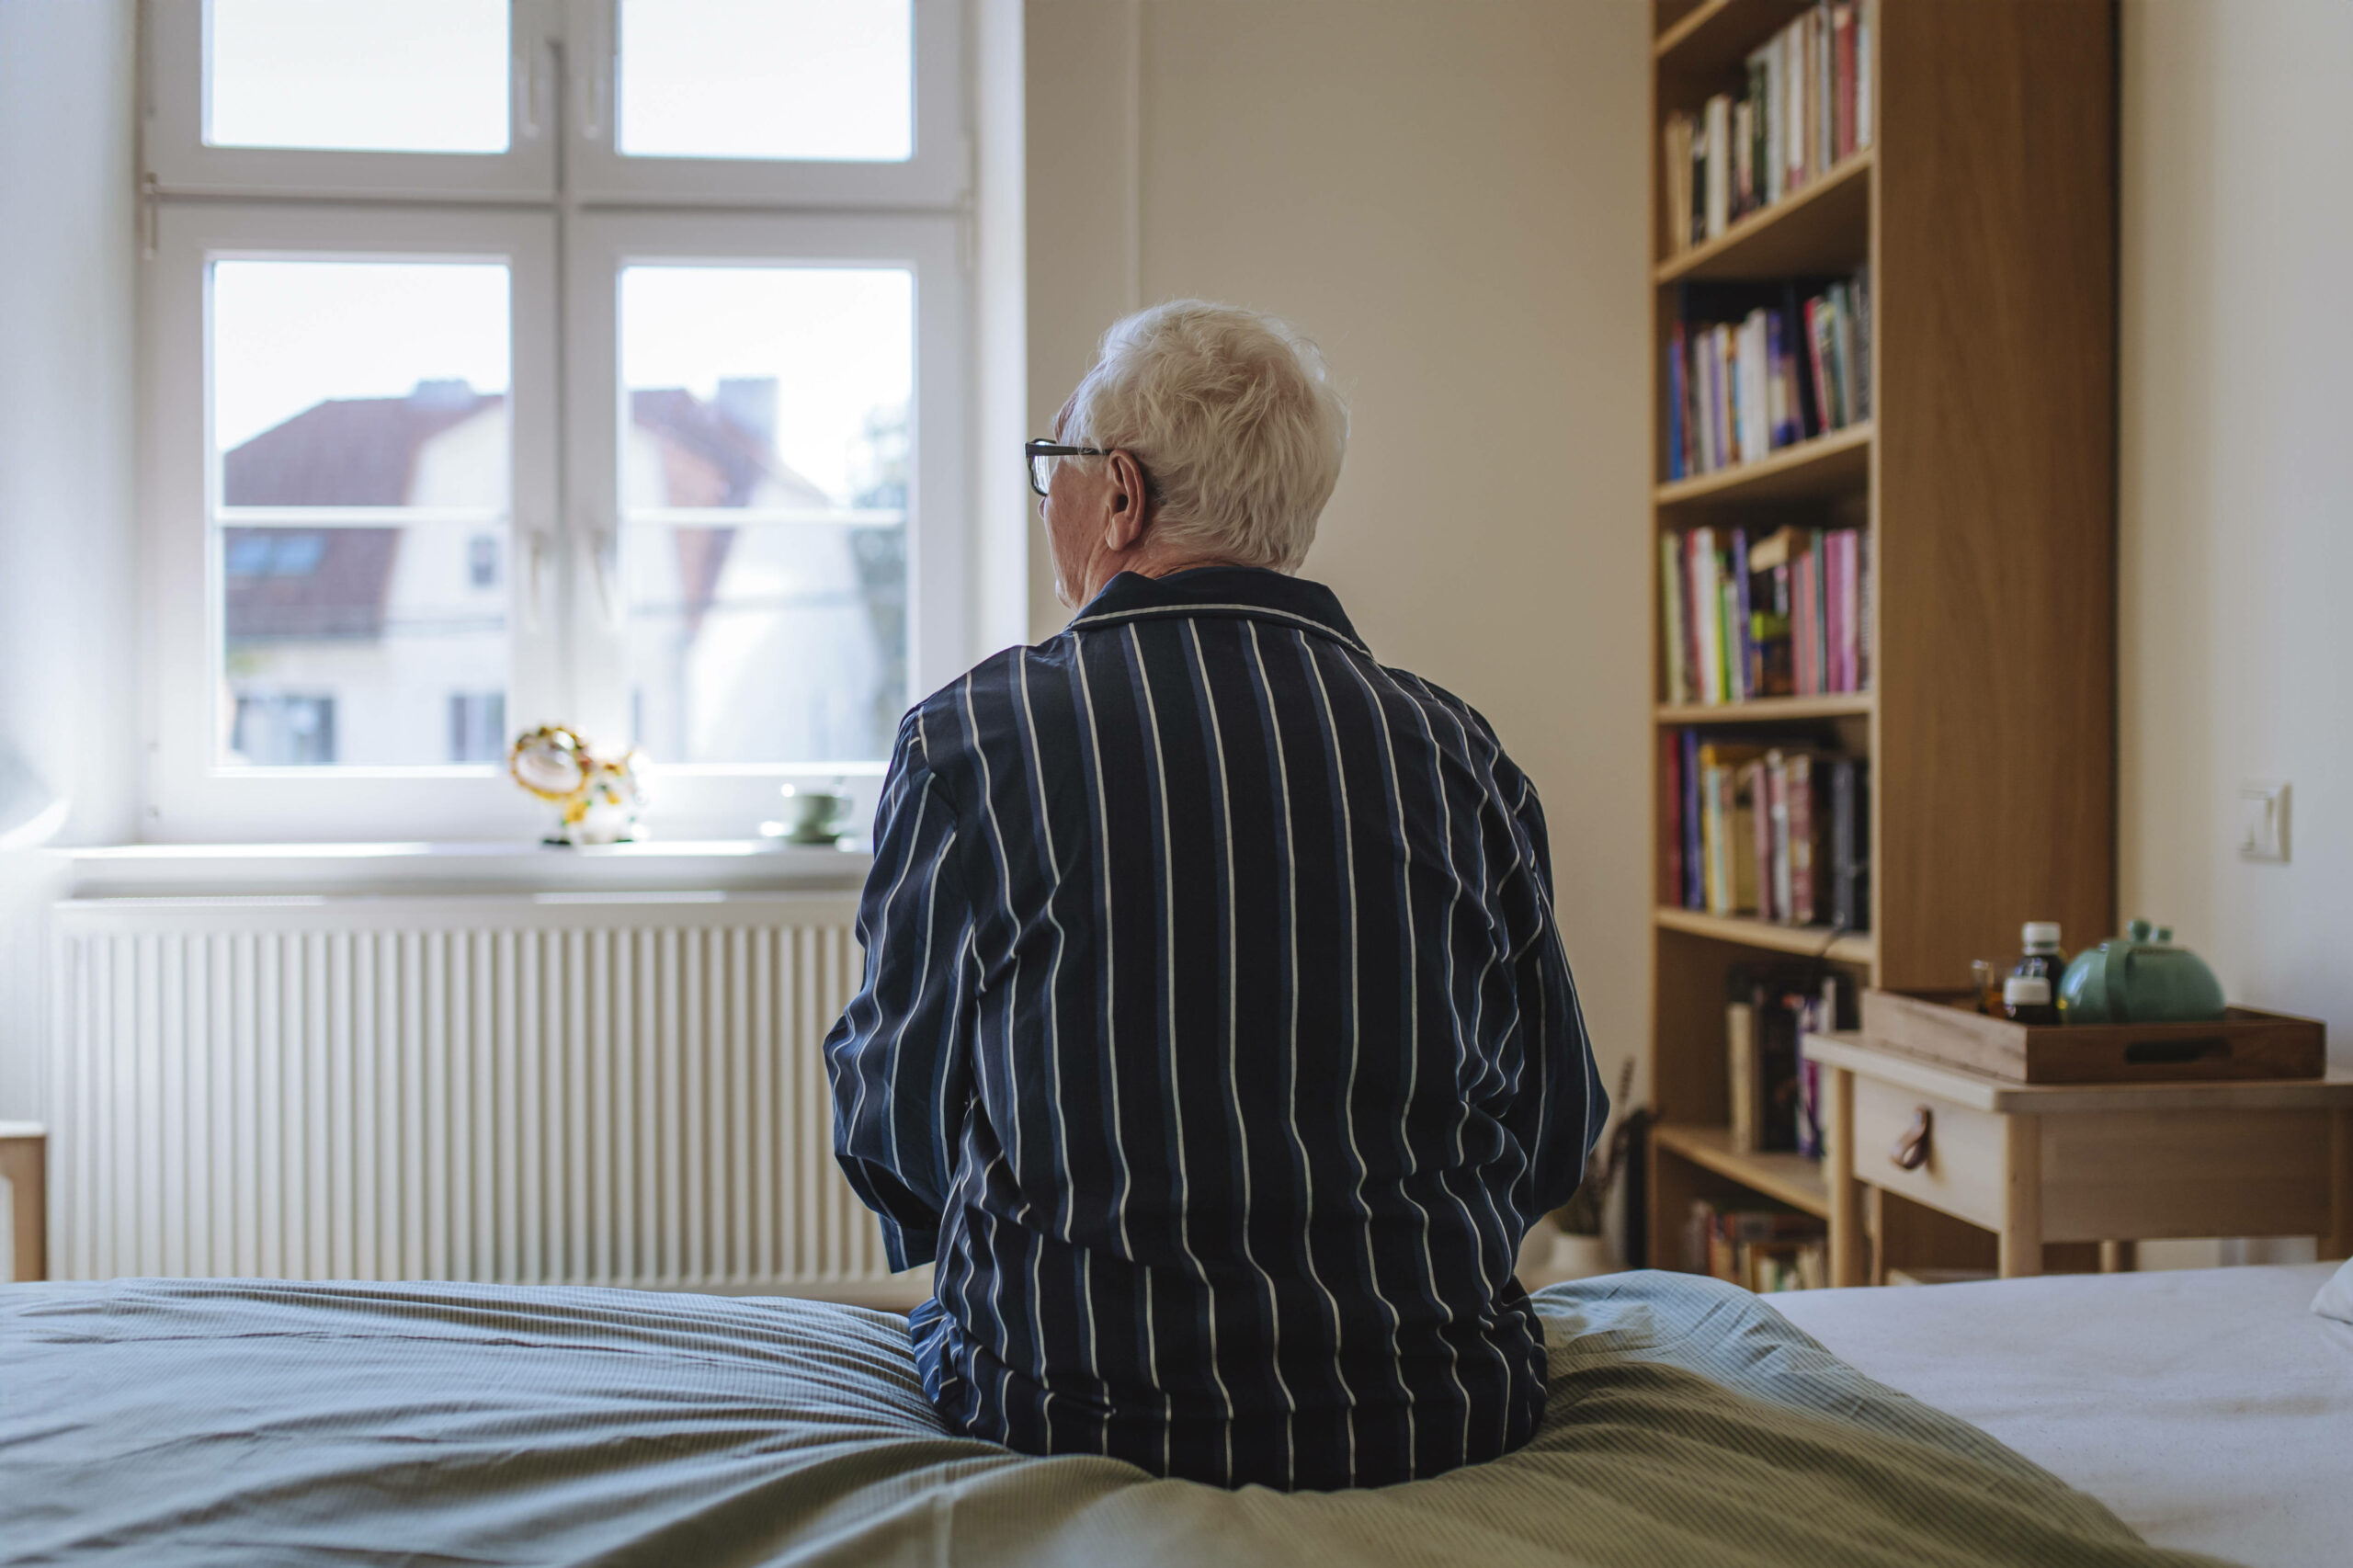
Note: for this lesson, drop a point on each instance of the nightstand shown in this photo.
(2113, 1164)
(24, 1161)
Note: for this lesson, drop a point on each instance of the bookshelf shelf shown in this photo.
(1823, 227)
(1792, 1178)
(1767, 710)
(1808, 941)
(1829, 465)
(1982, 202)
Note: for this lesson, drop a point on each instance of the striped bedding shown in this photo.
(257, 1423)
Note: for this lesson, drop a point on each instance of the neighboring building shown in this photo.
(782, 639)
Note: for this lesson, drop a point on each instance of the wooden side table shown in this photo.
(2114, 1163)
(24, 1161)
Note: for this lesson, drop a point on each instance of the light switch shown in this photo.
(2263, 822)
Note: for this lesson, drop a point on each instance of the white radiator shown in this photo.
(560, 1089)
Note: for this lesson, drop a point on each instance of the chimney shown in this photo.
(443, 393)
(748, 402)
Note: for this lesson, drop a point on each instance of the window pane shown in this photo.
(765, 455)
(358, 647)
(801, 79)
(359, 421)
(344, 384)
(357, 76)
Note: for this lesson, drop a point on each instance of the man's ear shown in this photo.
(1129, 504)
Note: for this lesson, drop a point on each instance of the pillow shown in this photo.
(2335, 1298)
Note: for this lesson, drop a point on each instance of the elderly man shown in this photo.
(1216, 1043)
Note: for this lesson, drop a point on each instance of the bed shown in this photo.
(167, 1422)
(2211, 1409)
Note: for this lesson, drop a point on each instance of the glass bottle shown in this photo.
(2030, 996)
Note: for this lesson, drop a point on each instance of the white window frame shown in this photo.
(192, 793)
(180, 161)
(938, 174)
(594, 211)
(720, 799)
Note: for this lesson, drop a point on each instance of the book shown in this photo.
(1717, 169)
(1833, 609)
(1776, 897)
(1775, 1100)
(1742, 640)
(1677, 171)
(1756, 366)
(1750, 826)
(1849, 846)
(1804, 828)
(1727, 826)
(1670, 620)
(1756, 1244)
(1756, 783)
(1740, 1066)
(1687, 776)
(1707, 606)
(1670, 790)
(1804, 104)
(1784, 614)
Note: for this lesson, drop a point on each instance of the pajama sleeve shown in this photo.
(899, 1059)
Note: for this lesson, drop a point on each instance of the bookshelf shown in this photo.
(1983, 478)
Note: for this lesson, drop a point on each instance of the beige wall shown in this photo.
(1449, 197)
(2237, 525)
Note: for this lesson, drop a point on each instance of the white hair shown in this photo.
(1233, 419)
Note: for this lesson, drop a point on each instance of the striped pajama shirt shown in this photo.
(1217, 1045)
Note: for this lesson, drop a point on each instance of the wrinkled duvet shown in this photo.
(257, 1423)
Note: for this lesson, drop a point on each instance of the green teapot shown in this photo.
(2140, 978)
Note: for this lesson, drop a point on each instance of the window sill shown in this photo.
(167, 870)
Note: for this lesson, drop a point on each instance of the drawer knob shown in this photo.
(1911, 1151)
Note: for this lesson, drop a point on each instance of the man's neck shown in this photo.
(1145, 565)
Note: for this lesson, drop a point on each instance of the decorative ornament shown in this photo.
(601, 798)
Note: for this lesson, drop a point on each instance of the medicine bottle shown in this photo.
(2030, 996)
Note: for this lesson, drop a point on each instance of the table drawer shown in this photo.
(1963, 1175)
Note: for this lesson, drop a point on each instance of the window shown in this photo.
(477, 726)
(422, 76)
(283, 729)
(700, 379)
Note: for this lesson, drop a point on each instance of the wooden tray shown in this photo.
(1945, 1026)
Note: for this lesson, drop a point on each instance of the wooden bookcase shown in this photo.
(1985, 208)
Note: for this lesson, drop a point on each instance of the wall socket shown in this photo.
(2263, 822)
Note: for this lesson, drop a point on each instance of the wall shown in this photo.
(1449, 197)
(68, 638)
(2235, 527)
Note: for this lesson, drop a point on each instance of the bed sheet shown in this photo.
(2211, 1408)
(257, 1423)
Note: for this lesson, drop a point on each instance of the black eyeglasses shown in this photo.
(1041, 454)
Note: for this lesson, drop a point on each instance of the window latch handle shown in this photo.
(530, 78)
(604, 559)
(537, 547)
(595, 87)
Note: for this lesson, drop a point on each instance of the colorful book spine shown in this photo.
(1804, 105)
(1670, 620)
(1756, 367)
(1695, 894)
